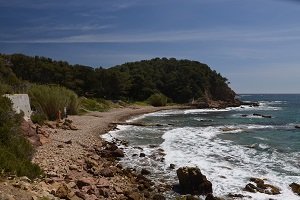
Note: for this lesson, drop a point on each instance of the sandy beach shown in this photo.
(73, 168)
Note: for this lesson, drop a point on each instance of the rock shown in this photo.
(238, 196)
(72, 127)
(68, 142)
(142, 155)
(261, 187)
(145, 172)
(118, 153)
(250, 188)
(297, 126)
(134, 196)
(108, 153)
(62, 191)
(189, 197)
(158, 197)
(259, 182)
(25, 179)
(193, 182)
(106, 172)
(52, 126)
(172, 166)
(71, 184)
(104, 192)
(266, 116)
(73, 167)
(80, 194)
(210, 196)
(6, 197)
(118, 190)
(295, 188)
(85, 182)
(271, 189)
(43, 139)
(102, 182)
(227, 129)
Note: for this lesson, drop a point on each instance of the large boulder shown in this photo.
(192, 181)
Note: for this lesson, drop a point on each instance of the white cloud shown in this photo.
(220, 35)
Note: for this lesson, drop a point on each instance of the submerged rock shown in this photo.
(192, 181)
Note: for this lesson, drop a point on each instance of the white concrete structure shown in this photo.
(20, 103)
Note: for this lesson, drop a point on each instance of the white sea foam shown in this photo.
(228, 166)
(261, 138)
(195, 111)
(165, 113)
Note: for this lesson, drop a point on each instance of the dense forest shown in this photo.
(179, 80)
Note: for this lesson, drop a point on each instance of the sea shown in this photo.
(228, 145)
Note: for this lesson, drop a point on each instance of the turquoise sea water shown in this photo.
(228, 145)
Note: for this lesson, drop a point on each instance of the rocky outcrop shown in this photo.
(261, 187)
(295, 188)
(110, 150)
(34, 133)
(192, 181)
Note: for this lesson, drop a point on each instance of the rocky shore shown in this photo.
(78, 164)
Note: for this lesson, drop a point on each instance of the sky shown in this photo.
(253, 43)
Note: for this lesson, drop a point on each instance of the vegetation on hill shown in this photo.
(179, 80)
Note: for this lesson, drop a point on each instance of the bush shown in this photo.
(157, 99)
(49, 100)
(38, 118)
(15, 150)
(5, 88)
(100, 105)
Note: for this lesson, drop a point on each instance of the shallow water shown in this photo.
(226, 145)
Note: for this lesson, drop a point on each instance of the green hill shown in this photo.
(179, 80)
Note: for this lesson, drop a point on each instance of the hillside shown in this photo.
(180, 80)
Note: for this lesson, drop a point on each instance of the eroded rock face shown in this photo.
(192, 181)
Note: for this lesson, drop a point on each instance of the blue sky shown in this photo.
(254, 43)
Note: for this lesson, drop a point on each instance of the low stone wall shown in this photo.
(20, 103)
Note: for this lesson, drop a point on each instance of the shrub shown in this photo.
(5, 88)
(38, 118)
(157, 99)
(49, 100)
(100, 105)
(15, 150)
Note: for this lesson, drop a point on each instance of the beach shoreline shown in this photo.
(66, 154)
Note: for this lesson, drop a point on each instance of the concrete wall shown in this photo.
(20, 102)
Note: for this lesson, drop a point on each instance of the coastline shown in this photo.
(66, 155)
